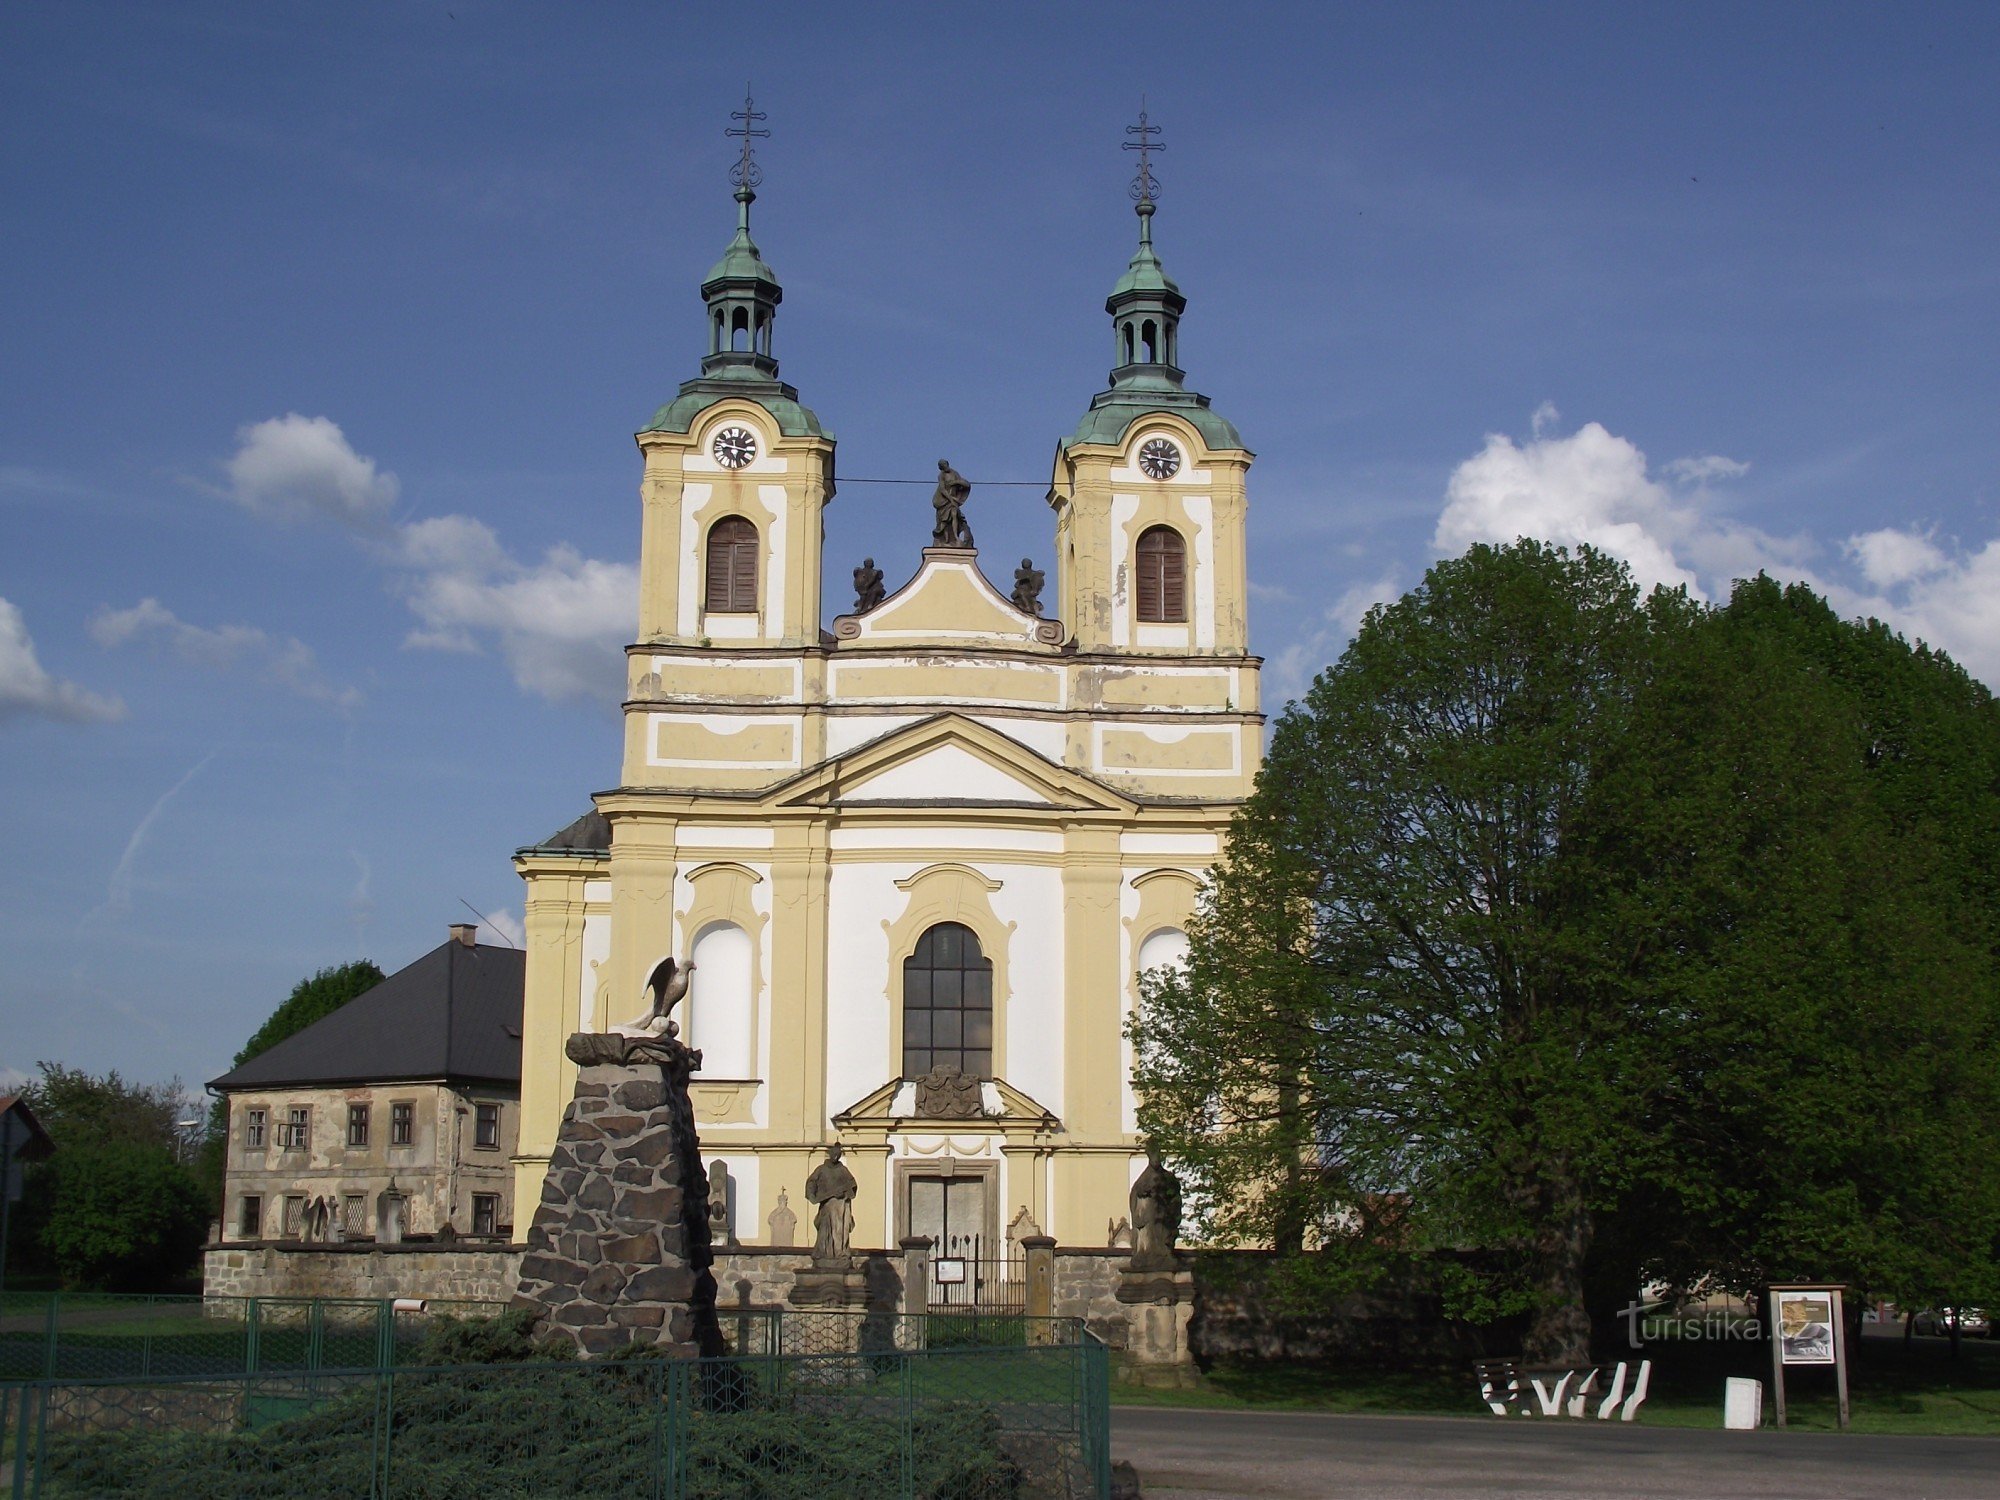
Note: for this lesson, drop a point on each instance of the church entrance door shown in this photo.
(969, 1267)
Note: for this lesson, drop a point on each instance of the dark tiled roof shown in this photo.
(31, 1142)
(455, 1013)
(589, 833)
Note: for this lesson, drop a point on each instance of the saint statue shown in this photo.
(832, 1187)
(1156, 1212)
(1028, 581)
(953, 489)
(868, 590)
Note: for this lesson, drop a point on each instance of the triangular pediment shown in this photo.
(894, 1105)
(948, 761)
(949, 603)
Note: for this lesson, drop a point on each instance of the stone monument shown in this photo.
(948, 501)
(1154, 1283)
(833, 1279)
(619, 1249)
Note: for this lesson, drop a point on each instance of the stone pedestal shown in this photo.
(619, 1249)
(821, 1285)
(1160, 1297)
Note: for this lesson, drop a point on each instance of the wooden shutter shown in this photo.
(732, 566)
(1162, 576)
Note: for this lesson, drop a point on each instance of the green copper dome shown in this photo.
(742, 296)
(1146, 308)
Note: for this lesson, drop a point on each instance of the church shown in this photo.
(918, 853)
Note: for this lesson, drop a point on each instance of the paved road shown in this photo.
(1228, 1455)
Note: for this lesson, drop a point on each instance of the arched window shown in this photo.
(732, 566)
(948, 1004)
(1149, 339)
(1162, 576)
(1128, 343)
(739, 332)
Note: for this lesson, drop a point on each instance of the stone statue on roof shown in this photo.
(1028, 581)
(868, 590)
(953, 490)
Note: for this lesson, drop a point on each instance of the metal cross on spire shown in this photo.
(746, 173)
(1145, 187)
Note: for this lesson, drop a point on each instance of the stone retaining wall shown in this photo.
(482, 1273)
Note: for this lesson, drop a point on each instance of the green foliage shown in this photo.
(312, 1000)
(113, 1208)
(459, 1435)
(1599, 936)
(506, 1338)
(116, 1216)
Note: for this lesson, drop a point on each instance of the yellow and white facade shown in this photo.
(800, 806)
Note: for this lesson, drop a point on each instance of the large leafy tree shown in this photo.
(114, 1207)
(1567, 929)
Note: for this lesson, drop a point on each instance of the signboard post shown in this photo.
(1807, 1328)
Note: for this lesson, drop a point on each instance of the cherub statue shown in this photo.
(868, 590)
(1028, 581)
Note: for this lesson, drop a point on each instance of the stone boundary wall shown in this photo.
(762, 1275)
(482, 1273)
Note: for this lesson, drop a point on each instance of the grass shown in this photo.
(1918, 1390)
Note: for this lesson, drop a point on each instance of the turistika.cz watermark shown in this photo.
(1653, 1320)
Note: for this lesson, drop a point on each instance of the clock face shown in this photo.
(1160, 459)
(734, 447)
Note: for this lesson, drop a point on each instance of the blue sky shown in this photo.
(326, 329)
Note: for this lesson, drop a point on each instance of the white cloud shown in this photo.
(282, 661)
(1589, 487)
(1593, 487)
(1291, 670)
(28, 691)
(508, 928)
(1950, 599)
(295, 466)
(1890, 557)
(560, 624)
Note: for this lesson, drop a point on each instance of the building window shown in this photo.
(402, 1124)
(353, 1215)
(357, 1124)
(1162, 576)
(253, 1131)
(486, 1214)
(732, 566)
(295, 1216)
(948, 1004)
(250, 1216)
(296, 1133)
(486, 1127)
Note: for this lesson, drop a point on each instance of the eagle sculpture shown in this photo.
(668, 984)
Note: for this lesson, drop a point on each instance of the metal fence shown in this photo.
(99, 1335)
(1027, 1420)
(784, 1330)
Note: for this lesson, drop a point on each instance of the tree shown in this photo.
(1568, 937)
(312, 999)
(114, 1207)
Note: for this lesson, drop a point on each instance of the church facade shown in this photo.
(920, 858)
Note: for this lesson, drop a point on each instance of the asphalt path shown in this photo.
(1184, 1454)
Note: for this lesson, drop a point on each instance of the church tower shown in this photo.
(1149, 489)
(919, 859)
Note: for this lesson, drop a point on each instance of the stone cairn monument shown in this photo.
(619, 1249)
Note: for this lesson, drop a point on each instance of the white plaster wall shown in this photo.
(859, 899)
(778, 541)
(845, 732)
(1170, 846)
(1047, 738)
(1201, 513)
(939, 836)
(948, 772)
(847, 680)
(1030, 899)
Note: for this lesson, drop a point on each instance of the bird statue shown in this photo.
(667, 986)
